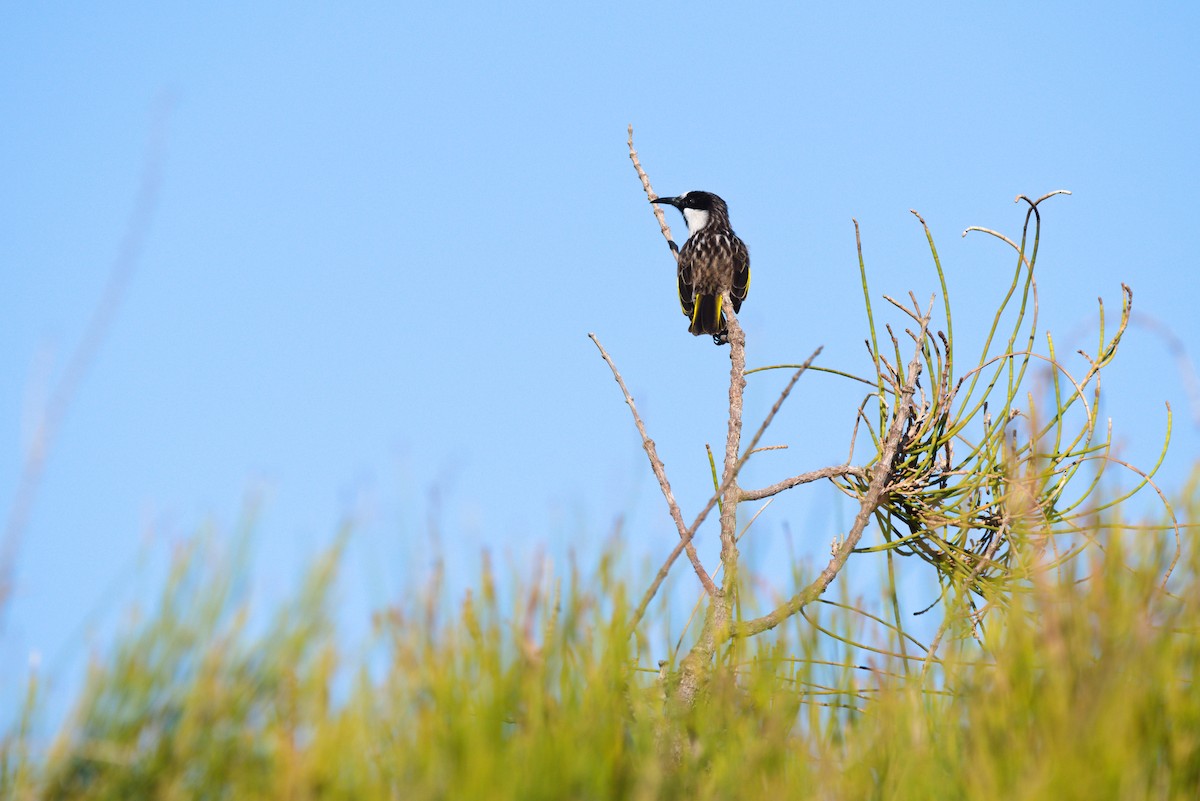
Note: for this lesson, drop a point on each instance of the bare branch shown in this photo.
(767, 448)
(1019, 198)
(652, 195)
(660, 473)
(733, 439)
(804, 478)
(1001, 237)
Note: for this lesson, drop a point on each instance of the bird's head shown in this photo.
(698, 208)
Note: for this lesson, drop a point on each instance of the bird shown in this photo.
(712, 261)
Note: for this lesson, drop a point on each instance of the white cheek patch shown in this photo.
(695, 219)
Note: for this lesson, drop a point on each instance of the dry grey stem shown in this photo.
(733, 440)
(660, 473)
(803, 478)
(652, 195)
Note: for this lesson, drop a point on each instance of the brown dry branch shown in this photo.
(804, 478)
(696, 666)
(660, 472)
(652, 195)
(733, 441)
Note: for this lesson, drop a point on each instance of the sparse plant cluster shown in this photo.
(989, 491)
(989, 480)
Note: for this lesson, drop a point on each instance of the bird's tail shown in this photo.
(707, 316)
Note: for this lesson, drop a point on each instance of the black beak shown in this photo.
(670, 201)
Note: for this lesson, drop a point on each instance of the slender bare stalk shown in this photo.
(695, 667)
(660, 472)
(733, 442)
(652, 195)
(804, 478)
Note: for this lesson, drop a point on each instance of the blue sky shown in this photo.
(384, 231)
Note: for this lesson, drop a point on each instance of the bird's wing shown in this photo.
(687, 294)
(741, 274)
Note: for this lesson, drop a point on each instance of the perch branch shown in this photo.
(652, 195)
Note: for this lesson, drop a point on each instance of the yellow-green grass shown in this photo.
(1082, 688)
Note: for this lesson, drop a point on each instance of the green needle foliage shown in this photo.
(997, 481)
